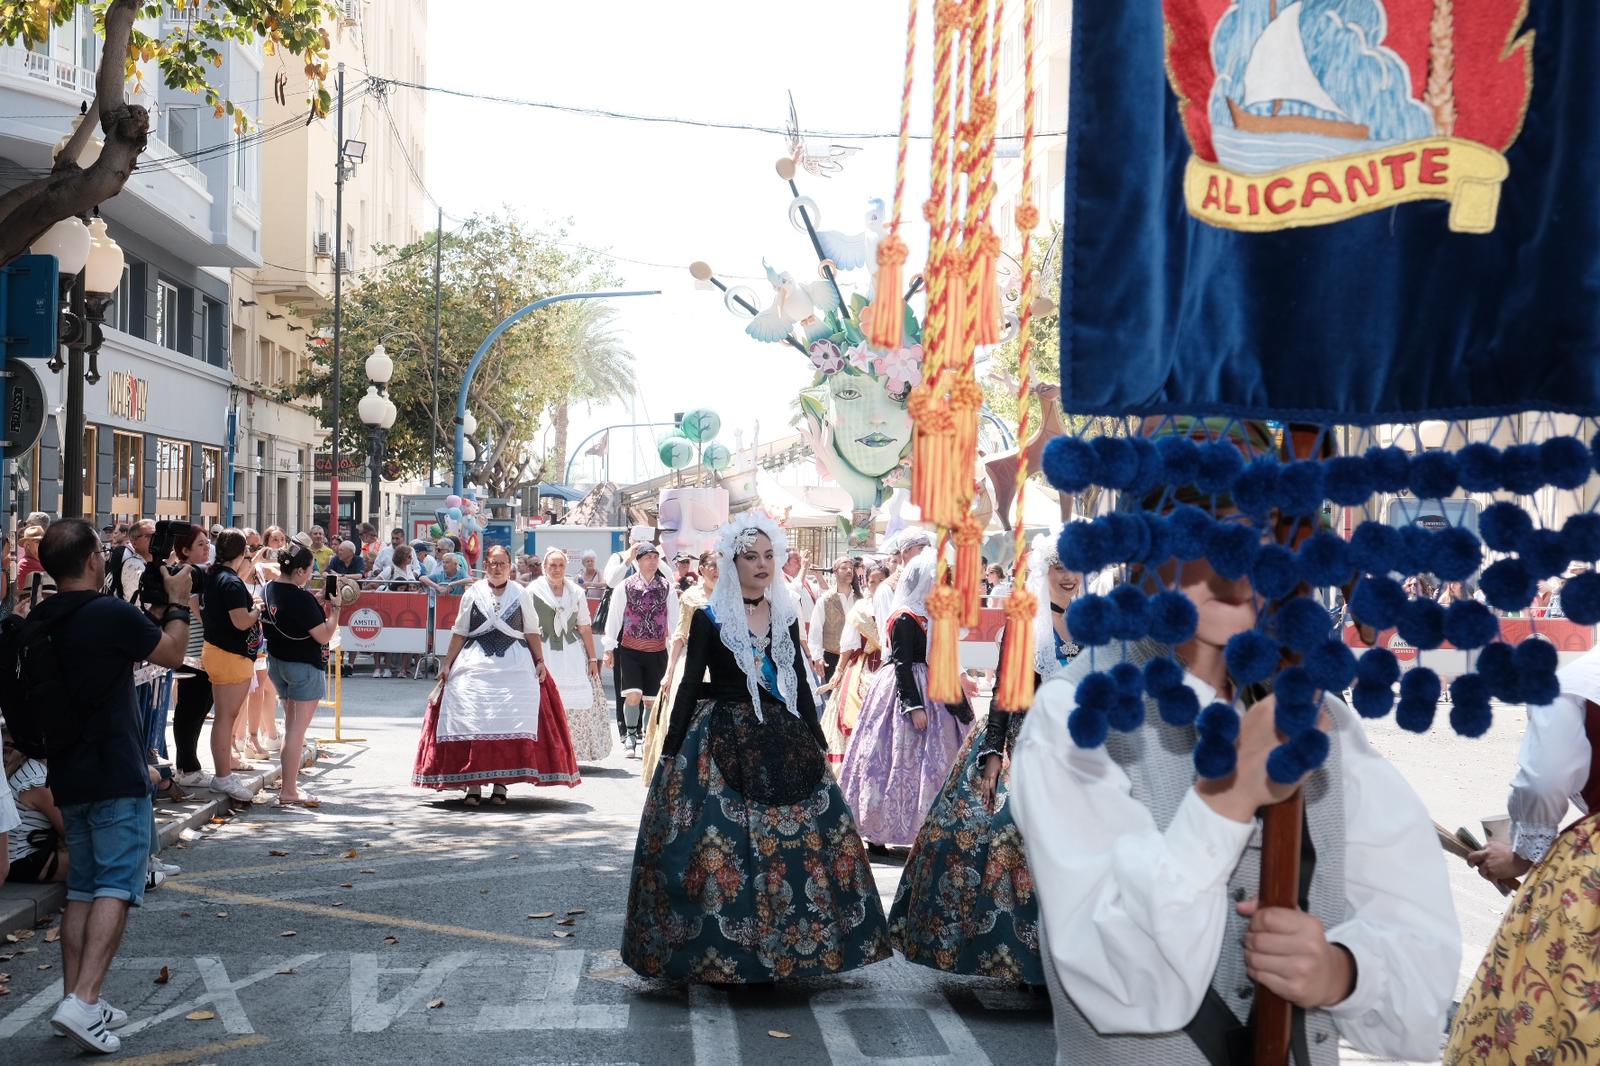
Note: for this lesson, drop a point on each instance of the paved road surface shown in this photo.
(414, 938)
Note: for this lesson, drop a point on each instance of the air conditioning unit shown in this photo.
(350, 12)
(346, 262)
(322, 245)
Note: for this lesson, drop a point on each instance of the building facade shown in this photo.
(280, 476)
(1051, 66)
(156, 436)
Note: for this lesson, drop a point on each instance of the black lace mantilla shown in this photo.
(496, 642)
(776, 762)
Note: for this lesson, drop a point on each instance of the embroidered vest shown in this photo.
(644, 619)
(1158, 759)
(833, 614)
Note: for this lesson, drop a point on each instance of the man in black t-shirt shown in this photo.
(100, 782)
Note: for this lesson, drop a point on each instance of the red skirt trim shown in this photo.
(461, 764)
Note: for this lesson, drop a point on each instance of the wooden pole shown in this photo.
(1280, 887)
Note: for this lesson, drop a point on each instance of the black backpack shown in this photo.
(41, 713)
(114, 561)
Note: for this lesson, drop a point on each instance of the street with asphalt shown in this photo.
(394, 925)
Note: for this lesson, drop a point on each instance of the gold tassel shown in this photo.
(988, 254)
(969, 568)
(1013, 690)
(930, 443)
(944, 645)
(887, 323)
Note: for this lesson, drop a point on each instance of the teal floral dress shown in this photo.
(966, 902)
(748, 867)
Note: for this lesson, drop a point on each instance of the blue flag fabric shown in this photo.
(1351, 211)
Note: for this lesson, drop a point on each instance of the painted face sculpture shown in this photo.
(856, 411)
(690, 520)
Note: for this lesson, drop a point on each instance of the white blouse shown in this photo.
(1135, 917)
(1553, 762)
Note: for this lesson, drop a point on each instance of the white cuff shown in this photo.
(1204, 844)
(1532, 842)
(1362, 1005)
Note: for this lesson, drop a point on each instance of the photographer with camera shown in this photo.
(97, 771)
(299, 626)
(232, 618)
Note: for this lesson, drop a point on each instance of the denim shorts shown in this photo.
(296, 681)
(108, 842)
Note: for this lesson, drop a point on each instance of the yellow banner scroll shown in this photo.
(1466, 173)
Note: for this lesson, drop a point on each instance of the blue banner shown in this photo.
(1354, 211)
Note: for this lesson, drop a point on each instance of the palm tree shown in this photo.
(598, 362)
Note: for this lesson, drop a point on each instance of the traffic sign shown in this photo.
(30, 302)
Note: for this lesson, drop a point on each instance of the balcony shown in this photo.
(19, 61)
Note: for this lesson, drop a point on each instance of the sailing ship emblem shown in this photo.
(1307, 112)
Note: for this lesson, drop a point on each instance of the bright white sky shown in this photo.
(666, 193)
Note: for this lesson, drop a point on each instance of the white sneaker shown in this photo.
(273, 744)
(193, 779)
(153, 879)
(165, 867)
(86, 1024)
(233, 788)
(114, 1018)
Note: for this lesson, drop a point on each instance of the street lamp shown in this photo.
(378, 412)
(90, 265)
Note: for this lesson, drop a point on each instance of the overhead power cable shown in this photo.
(672, 120)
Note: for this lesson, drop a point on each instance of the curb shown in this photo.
(173, 820)
(24, 906)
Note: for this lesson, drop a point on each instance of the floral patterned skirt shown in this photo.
(726, 890)
(966, 902)
(891, 772)
(1536, 995)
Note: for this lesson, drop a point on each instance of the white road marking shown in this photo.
(712, 1027)
(830, 1008)
(224, 990)
(554, 1005)
(41, 1001)
(369, 1014)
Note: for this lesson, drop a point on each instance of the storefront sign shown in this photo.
(129, 396)
(348, 464)
(24, 407)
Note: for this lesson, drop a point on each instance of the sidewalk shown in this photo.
(24, 906)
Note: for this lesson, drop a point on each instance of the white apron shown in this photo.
(491, 696)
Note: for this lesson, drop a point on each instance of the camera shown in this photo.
(152, 592)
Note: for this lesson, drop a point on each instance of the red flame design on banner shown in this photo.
(1493, 65)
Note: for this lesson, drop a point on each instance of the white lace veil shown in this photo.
(727, 604)
(916, 581)
(1041, 558)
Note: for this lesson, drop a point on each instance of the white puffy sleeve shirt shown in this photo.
(1552, 768)
(1135, 917)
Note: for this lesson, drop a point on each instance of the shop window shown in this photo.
(172, 479)
(127, 475)
(90, 457)
(210, 484)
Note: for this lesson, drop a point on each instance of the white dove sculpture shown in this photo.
(793, 303)
(851, 250)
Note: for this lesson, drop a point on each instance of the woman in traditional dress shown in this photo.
(497, 717)
(860, 655)
(567, 632)
(748, 867)
(904, 743)
(965, 902)
(696, 595)
(1532, 998)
